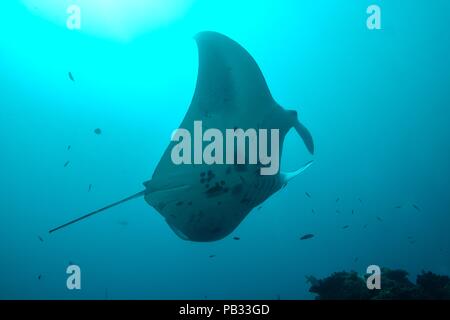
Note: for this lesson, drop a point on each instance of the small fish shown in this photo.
(337, 200)
(397, 207)
(353, 211)
(346, 226)
(416, 207)
(359, 199)
(278, 297)
(313, 211)
(98, 131)
(356, 259)
(212, 256)
(307, 236)
(365, 226)
(40, 238)
(123, 223)
(308, 195)
(90, 187)
(40, 277)
(379, 219)
(66, 164)
(69, 147)
(338, 211)
(259, 208)
(236, 238)
(71, 76)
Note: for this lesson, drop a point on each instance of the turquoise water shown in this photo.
(377, 104)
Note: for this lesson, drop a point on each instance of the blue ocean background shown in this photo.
(377, 104)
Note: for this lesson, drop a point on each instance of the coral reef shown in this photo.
(395, 285)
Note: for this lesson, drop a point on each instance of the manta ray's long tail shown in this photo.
(137, 195)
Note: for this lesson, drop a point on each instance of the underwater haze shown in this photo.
(85, 116)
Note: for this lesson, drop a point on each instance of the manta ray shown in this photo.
(204, 202)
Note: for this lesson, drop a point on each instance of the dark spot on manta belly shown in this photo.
(215, 191)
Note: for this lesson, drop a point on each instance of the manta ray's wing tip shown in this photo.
(208, 36)
(311, 147)
(206, 33)
(202, 34)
